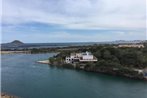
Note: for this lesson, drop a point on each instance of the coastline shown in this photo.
(13, 52)
(5, 95)
(132, 74)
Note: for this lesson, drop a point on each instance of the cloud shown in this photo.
(77, 14)
(73, 20)
(75, 36)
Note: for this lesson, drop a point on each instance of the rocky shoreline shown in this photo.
(5, 95)
(110, 71)
(131, 75)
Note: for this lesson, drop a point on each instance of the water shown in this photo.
(22, 76)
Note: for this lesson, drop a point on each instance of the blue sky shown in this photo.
(73, 20)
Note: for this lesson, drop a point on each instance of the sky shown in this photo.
(47, 21)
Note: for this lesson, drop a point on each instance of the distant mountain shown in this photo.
(16, 43)
(13, 44)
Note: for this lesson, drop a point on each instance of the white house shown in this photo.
(80, 57)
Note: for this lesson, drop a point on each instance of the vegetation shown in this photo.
(111, 60)
(41, 50)
(110, 56)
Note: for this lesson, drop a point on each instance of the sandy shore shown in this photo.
(13, 52)
(44, 62)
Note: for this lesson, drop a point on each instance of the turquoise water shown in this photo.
(23, 77)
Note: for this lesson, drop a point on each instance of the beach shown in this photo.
(13, 52)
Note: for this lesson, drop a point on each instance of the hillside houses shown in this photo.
(131, 46)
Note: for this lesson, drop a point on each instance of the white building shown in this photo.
(80, 57)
